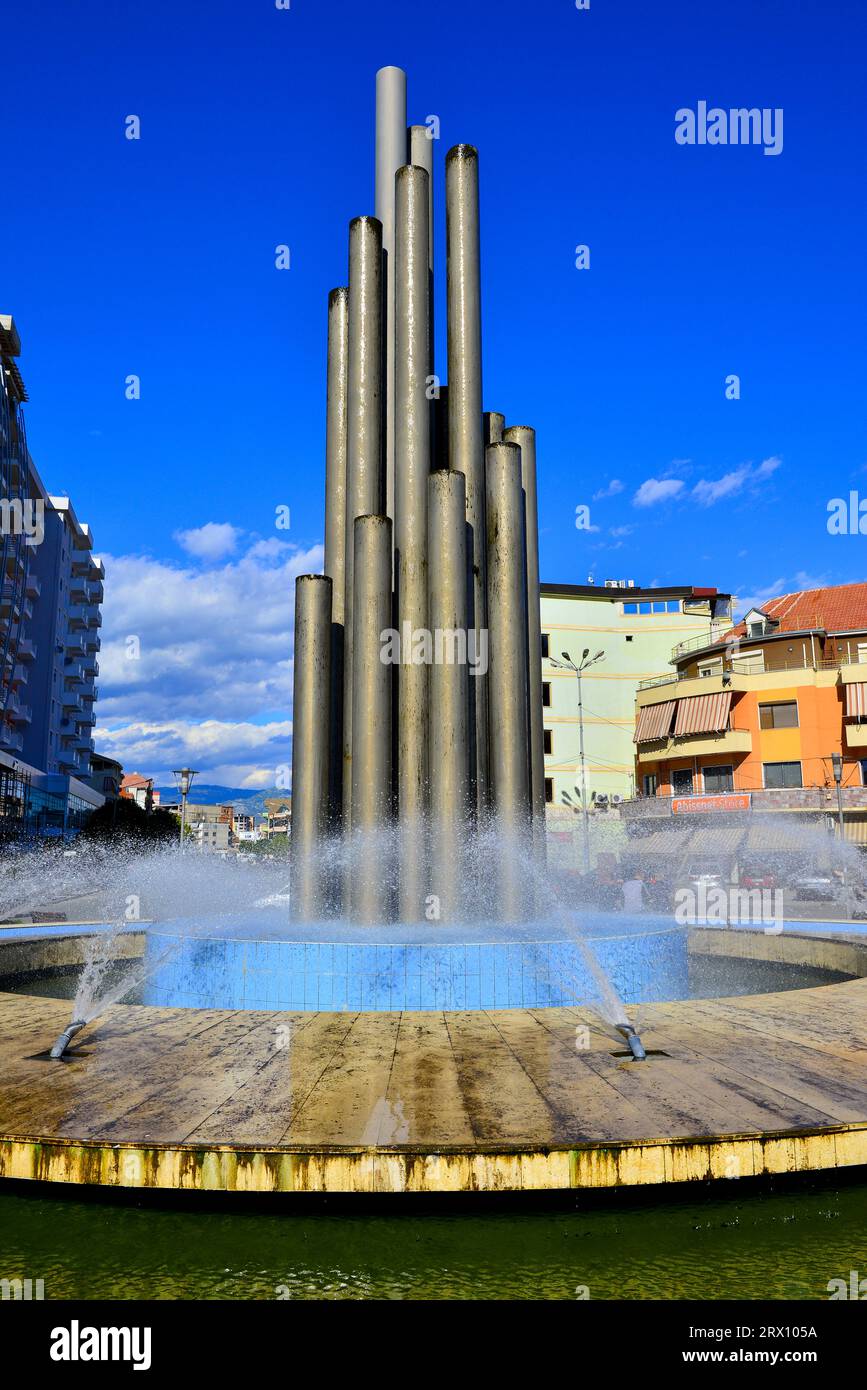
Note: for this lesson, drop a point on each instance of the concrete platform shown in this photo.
(444, 1102)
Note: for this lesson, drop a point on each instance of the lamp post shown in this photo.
(837, 769)
(184, 778)
(578, 668)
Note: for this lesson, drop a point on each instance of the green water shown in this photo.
(731, 1244)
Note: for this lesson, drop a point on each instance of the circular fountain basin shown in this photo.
(258, 963)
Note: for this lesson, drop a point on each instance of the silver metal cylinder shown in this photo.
(364, 456)
(507, 627)
(310, 743)
(466, 444)
(449, 700)
(421, 149)
(391, 154)
(335, 526)
(494, 424)
(412, 470)
(525, 437)
(372, 730)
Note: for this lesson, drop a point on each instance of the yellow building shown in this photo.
(635, 628)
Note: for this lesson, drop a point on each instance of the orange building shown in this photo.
(763, 707)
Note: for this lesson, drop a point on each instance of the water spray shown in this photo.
(633, 1041)
(65, 1039)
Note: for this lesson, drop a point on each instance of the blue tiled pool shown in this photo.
(263, 964)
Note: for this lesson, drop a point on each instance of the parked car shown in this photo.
(705, 874)
(757, 877)
(815, 887)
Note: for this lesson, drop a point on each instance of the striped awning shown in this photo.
(654, 721)
(703, 714)
(856, 700)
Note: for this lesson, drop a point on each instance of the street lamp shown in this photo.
(578, 668)
(837, 769)
(184, 778)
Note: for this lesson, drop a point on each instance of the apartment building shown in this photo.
(757, 716)
(634, 628)
(50, 596)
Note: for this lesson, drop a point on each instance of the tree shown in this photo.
(124, 819)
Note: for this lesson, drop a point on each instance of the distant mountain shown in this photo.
(212, 794)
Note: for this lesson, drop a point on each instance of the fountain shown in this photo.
(436, 1011)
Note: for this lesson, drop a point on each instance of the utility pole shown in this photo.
(569, 665)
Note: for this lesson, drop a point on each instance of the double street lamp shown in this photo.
(184, 778)
(579, 668)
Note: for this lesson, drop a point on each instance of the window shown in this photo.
(548, 741)
(545, 651)
(549, 789)
(749, 662)
(782, 774)
(864, 772)
(710, 668)
(718, 779)
(779, 716)
(659, 605)
(650, 784)
(681, 782)
(546, 693)
(629, 636)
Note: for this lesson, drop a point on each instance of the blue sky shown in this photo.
(156, 257)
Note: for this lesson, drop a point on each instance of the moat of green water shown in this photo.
(716, 1243)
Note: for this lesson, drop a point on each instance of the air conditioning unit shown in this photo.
(616, 799)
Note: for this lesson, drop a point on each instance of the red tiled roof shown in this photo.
(839, 609)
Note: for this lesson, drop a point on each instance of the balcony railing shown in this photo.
(750, 668)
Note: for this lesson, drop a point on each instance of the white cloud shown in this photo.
(611, 490)
(212, 681)
(212, 541)
(621, 530)
(707, 492)
(655, 490)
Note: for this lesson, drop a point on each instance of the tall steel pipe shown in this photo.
(311, 735)
(335, 525)
(391, 155)
(525, 437)
(449, 680)
(364, 456)
(466, 445)
(493, 426)
(507, 625)
(421, 148)
(371, 719)
(412, 469)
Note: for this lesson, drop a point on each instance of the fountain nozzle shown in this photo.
(65, 1039)
(633, 1041)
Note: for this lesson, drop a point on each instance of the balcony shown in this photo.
(77, 616)
(10, 739)
(26, 649)
(854, 671)
(696, 745)
(33, 587)
(92, 643)
(18, 712)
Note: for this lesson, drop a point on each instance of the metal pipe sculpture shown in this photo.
(431, 557)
